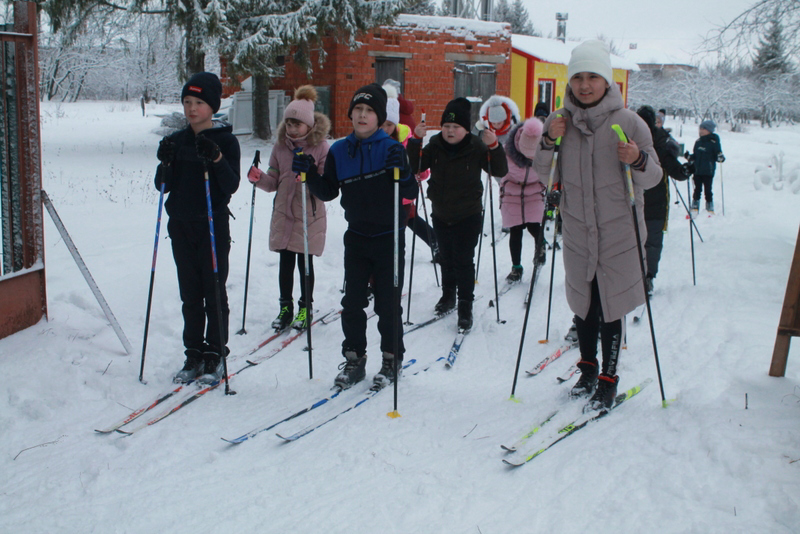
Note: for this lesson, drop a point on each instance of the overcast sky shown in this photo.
(673, 26)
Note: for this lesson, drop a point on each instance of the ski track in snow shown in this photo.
(705, 464)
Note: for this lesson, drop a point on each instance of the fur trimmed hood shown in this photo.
(318, 134)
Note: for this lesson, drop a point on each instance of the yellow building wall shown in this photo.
(520, 66)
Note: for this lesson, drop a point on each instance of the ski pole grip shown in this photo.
(624, 139)
(257, 159)
(396, 174)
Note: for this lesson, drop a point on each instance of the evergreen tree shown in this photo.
(516, 15)
(420, 7)
(771, 56)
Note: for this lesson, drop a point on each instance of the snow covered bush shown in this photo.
(778, 174)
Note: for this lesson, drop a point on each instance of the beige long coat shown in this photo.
(598, 230)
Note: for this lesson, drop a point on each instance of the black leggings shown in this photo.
(515, 240)
(700, 183)
(286, 275)
(610, 335)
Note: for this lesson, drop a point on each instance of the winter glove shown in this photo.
(554, 198)
(394, 157)
(167, 149)
(207, 149)
(720, 158)
(688, 168)
(687, 156)
(254, 175)
(302, 162)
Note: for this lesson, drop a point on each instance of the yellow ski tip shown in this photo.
(394, 414)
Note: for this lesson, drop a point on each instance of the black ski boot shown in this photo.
(604, 396)
(214, 367)
(353, 370)
(649, 284)
(587, 381)
(446, 303)
(284, 318)
(515, 275)
(464, 314)
(387, 373)
(303, 318)
(572, 335)
(192, 368)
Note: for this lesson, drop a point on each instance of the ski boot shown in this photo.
(515, 275)
(446, 303)
(284, 318)
(604, 395)
(572, 335)
(464, 314)
(193, 367)
(710, 207)
(587, 381)
(303, 318)
(695, 208)
(353, 370)
(214, 366)
(387, 373)
(649, 284)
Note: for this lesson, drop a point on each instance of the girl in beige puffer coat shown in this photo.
(603, 274)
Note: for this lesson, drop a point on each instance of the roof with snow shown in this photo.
(652, 56)
(458, 27)
(554, 51)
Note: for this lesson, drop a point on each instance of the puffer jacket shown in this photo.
(598, 231)
(706, 150)
(286, 226)
(521, 191)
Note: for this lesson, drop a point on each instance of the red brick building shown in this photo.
(434, 58)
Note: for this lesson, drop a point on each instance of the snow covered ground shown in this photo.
(722, 458)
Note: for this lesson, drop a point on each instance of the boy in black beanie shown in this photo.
(186, 156)
(361, 167)
(455, 158)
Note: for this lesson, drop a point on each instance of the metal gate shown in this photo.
(22, 280)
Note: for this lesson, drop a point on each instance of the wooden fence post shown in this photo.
(789, 324)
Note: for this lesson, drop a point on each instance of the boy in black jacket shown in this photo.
(455, 158)
(186, 156)
(361, 167)
(707, 152)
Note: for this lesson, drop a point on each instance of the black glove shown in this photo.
(166, 151)
(554, 198)
(688, 169)
(720, 158)
(302, 162)
(394, 157)
(207, 149)
(686, 155)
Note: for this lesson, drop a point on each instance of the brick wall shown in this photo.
(429, 81)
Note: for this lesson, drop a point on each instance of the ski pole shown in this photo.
(480, 238)
(411, 271)
(691, 232)
(552, 274)
(152, 280)
(535, 269)
(396, 290)
(306, 278)
(256, 161)
(632, 196)
(491, 222)
(428, 227)
(722, 189)
(217, 292)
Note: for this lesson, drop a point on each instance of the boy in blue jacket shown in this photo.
(186, 156)
(361, 167)
(707, 152)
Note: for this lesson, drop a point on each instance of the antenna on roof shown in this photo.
(561, 27)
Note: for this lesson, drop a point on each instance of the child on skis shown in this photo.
(304, 130)
(522, 194)
(707, 153)
(601, 261)
(361, 168)
(455, 158)
(401, 132)
(204, 150)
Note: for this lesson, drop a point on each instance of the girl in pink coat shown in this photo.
(522, 194)
(306, 130)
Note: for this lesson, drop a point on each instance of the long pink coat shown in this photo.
(286, 227)
(521, 191)
(599, 236)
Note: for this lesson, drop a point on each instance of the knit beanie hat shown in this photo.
(528, 137)
(709, 125)
(372, 95)
(205, 86)
(648, 115)
(541, 110)
(591, 56)
(392, 103)
(302, 107)
(458, 111)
